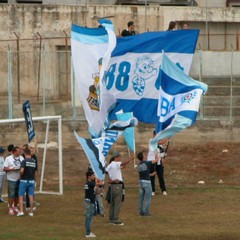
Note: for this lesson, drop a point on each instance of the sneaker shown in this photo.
(141, 213)
(91, 235)
(30, 214)
(15, 209)
(164, 193)
(20, 214)
(153, 193)
(147, 214)
(37, 203)
(10, 211)
(119, 223)
(1, 200)
(27, 208)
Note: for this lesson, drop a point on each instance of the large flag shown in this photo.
(91, 51)
(133, 77)
(179, 100)
(97, 149)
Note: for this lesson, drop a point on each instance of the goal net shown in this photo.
(46, 120)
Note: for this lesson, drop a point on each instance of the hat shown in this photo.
(2, 150)
(116, 154)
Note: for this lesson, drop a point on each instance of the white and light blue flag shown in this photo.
(96, 149)
(128, 134)
(91, 51)
(179, 100)
(133, 77)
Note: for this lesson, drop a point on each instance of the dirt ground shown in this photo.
(185, 165)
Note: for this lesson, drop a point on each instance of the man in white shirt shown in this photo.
(116, 186)
(12, 166)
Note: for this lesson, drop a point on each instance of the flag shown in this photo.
(28, 120)
(91, 50)
(179, 100)
(96, 149)
(133, 77)
(128, 133)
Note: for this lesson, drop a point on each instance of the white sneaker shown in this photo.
(20, 214)
(153, 193)
(15, 209)
(91, 235)
(164, 193)
(30, 214)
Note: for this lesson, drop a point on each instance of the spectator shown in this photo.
(172, 26)
(2, 173)
(12, 167)
(89, 202)
(145, 188)
(27, 182)
(185, 26)
(129, 30)
(116, 188)
(158, 168)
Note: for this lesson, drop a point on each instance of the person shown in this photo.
(33, 155)
(12, 165)
(2, 173)
(27, 181)
(185, 26)
(172, 26)
(89, 202)
(116, 187)
(157, 168)
(129, 31)
(99, 197)
(145, 188)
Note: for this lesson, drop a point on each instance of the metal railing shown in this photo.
(47, 80)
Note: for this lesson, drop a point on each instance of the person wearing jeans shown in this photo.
(145, 187)
(89, 201)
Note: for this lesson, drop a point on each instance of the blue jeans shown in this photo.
(89, 207)
(145, 194)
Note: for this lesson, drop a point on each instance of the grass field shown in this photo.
(186, 213)
(190, 211)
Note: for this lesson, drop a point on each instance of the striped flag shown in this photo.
(179, 100)
(97, 149)
(132, 81)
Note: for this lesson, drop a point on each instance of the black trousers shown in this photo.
(160, 173)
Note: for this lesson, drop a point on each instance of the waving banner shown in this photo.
(133, 77)
(97, 149)
(91, 49)
(179, 100)
(128, 133)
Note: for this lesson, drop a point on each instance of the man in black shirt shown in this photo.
(145, 188)
(89, 201)
(129, 30)
(27, 181)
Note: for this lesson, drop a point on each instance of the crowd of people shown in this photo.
(153, 159)
(19, 168)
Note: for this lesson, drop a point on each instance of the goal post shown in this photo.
(46, 119)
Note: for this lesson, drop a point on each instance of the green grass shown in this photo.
(207, 213)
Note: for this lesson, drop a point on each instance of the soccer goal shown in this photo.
(47, 120)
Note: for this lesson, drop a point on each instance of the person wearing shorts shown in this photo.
(12, 165)
(27, 181)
